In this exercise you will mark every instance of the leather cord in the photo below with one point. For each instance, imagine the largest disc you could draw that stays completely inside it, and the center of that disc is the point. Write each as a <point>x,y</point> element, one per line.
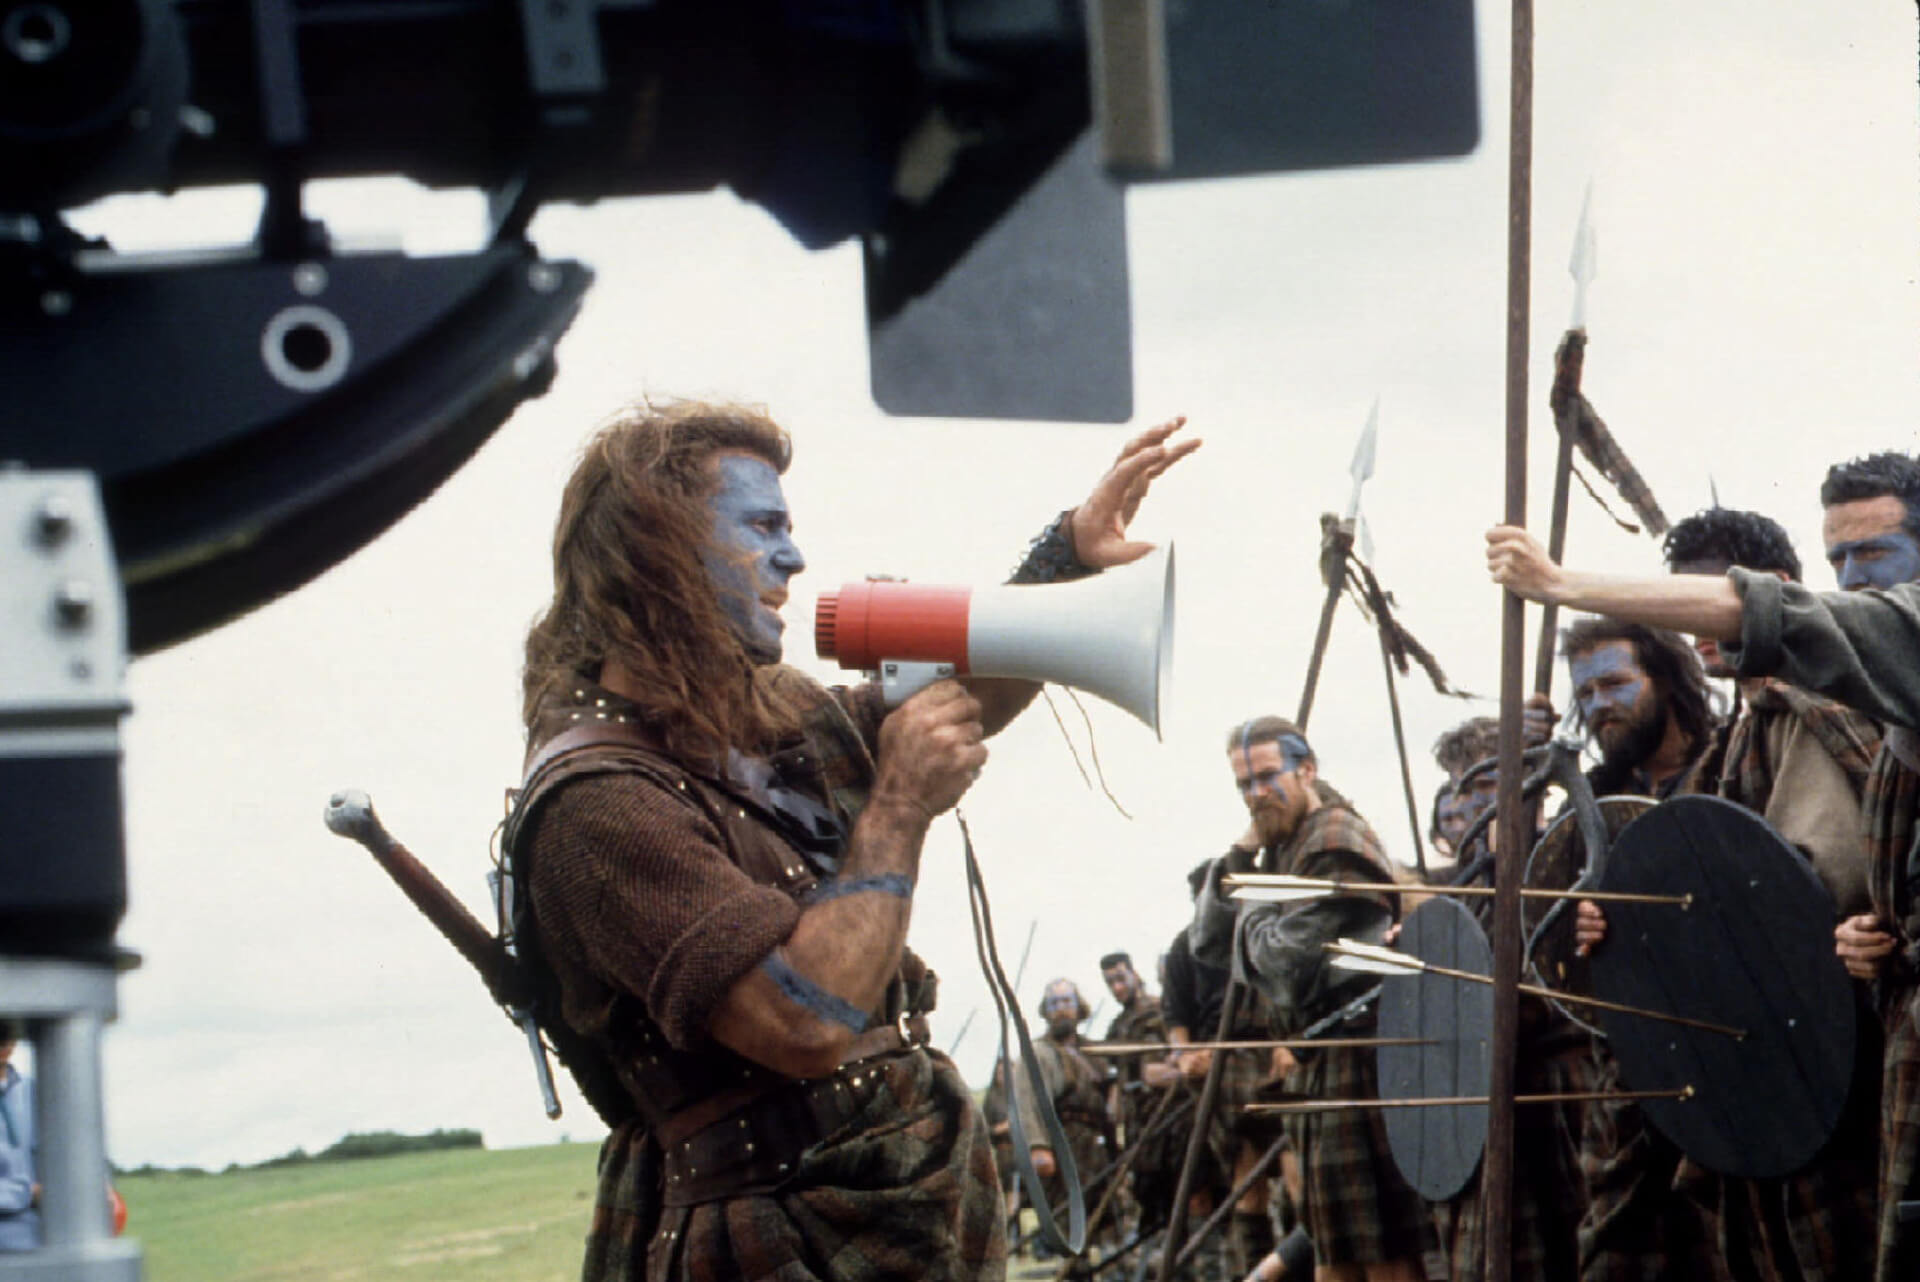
<point>1007,1003</point>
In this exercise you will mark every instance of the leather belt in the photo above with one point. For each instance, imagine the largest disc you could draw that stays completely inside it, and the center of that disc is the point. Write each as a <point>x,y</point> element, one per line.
<point>748,1138</point>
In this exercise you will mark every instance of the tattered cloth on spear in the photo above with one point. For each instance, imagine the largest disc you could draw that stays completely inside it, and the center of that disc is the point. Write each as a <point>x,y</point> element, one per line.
<point>1337,557</point>
<point>1573,412</point>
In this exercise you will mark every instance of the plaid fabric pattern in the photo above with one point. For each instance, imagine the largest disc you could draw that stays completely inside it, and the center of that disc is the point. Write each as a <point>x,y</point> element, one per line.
<point>1850,738</point>
<point>1081,1104</point>
<point>1898,1257</point>
<point>1891,800</point>
<point>1636,1228</point>
<point>1332,829</point>
<point>906,1191</point>
<point>1817,1225</point>
<point>1548,1189</point>
<point>1356,1207</point>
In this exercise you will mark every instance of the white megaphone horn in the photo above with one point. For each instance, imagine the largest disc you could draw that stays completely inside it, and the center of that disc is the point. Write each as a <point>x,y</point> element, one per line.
<point>1110,635</point>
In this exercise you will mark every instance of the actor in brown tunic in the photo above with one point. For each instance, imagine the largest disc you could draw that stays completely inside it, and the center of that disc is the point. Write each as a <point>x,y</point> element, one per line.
<point>1079,1094</point>
<point>720,858</point>
<point>1363,1218</point>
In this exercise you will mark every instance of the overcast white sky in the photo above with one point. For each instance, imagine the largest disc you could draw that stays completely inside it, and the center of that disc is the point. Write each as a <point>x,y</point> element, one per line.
<point>1754,320</point>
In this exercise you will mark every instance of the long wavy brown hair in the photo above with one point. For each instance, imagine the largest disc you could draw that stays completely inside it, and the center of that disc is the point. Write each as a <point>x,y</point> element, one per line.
<point>629,583</point>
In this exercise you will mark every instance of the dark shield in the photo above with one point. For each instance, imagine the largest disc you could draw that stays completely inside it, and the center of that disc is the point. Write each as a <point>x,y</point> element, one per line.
<point>1438,1149</point>
<point>1755,951</point>
<point>1557,861</point>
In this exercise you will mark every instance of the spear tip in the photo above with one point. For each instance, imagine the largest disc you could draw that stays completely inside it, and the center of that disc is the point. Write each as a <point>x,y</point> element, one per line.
<point>1584,264</point>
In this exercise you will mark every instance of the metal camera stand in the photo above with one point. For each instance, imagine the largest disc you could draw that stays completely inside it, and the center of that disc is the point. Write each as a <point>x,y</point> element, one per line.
<point>63,658</point>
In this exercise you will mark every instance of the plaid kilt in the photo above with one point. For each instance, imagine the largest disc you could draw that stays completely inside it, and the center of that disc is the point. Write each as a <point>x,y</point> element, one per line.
<point>1898,1258</point>
<point>1549,1194</point>
<point>1637,1226</point>
<point>906,1190</point>
<point>1889,807</point>
<point>1356,1207</point>
<point>1818,1224</point>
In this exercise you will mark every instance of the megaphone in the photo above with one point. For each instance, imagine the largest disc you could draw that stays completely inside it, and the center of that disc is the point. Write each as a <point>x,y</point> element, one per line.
<point>1110,635</point>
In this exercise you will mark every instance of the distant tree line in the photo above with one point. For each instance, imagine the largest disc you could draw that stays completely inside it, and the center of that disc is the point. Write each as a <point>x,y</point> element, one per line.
<point>356,1145</point>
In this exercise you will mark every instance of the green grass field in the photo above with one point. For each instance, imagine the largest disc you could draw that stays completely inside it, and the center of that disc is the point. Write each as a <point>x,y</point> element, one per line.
<point>464,1215</point>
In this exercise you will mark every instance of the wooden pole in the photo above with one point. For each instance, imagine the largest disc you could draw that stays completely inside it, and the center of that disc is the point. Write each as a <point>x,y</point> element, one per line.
<point>1566,387</point>
<point>1400,742</point>
<point>1496,1188</point>
<point>1333,563</point>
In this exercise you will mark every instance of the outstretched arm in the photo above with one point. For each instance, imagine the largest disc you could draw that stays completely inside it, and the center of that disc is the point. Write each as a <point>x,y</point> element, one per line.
<point>1703,604</point>
<point>1097,532</point>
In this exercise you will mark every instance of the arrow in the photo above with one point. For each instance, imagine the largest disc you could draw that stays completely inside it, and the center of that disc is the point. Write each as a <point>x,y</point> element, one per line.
<point>1298,1043</point>
<point>1449,1101</point>
<point>1350,954</point>
<point>1285,888</point>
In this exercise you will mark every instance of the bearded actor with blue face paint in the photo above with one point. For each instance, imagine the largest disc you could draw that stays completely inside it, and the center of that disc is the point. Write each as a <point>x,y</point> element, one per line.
<point>1643,697</point>
<point>717,859</point>
<point>1363,1219</point>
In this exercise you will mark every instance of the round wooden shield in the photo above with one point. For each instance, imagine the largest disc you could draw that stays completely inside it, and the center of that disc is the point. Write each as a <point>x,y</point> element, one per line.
<point>1557,861</point>
<point>1438,1149</point>
<point>1755,952</point>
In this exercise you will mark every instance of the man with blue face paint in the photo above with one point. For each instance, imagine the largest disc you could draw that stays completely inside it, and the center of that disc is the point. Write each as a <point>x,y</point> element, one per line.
<point>751,556</point>
<point>1861,647</point>
<point>1800,761</point>
<point>1644,700</point>
<point>1363,1219</point>
<point>1871,524</point>
<point>716,859</point>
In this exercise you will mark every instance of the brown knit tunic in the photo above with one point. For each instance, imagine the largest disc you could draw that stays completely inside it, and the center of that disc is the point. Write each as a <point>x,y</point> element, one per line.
<point>654,889</point>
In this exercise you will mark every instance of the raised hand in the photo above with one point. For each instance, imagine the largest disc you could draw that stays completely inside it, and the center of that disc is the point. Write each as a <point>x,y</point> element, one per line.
<point>1100,524</point>
<point>1518,562</point>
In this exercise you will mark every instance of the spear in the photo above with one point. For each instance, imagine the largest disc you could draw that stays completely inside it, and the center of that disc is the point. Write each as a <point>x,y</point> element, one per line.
<point>1400,745</point>
<point>1333,558</point>
<point>1496,1167</point>
<point>1336,546</point>
<point>961,1036</point>
<point>1351,954</point>
<point>1565,400</point>
<point>1283,888</point>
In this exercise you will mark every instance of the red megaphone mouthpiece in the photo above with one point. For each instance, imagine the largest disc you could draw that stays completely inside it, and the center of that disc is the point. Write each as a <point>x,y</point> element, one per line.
<point>864,623</point>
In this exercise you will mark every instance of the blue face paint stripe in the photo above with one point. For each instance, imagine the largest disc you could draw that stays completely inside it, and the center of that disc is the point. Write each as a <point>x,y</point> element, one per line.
<point>1898,561</point>
<point>1590,667</point>
<point>809,996</point>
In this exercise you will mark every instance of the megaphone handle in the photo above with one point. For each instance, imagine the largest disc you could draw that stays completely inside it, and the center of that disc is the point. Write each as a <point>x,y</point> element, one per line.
<point>901,679</point>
